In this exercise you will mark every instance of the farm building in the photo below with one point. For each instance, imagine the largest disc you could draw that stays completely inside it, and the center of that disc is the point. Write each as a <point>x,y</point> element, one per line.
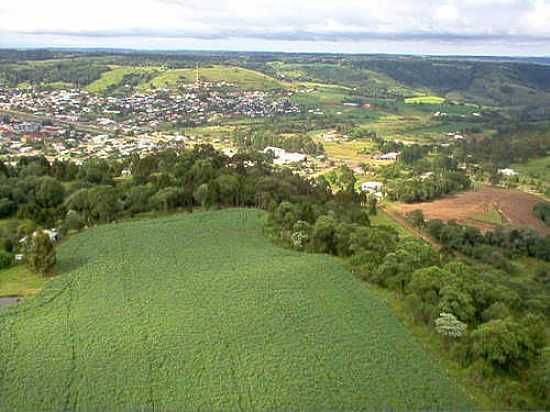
<point>373,188</point>
<point>507,172</point>
<point>389,156</point>
<point>283,157</point>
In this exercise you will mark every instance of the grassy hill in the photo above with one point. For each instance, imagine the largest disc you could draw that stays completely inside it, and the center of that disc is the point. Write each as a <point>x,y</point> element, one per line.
<point>112,79</point>
<point>157,77</point>
<point>201,311</point>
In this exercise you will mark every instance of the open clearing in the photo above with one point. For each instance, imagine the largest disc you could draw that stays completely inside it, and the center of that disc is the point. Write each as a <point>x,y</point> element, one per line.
<point>425,100</point>
<point>202,312</point>
<point>477,208</point>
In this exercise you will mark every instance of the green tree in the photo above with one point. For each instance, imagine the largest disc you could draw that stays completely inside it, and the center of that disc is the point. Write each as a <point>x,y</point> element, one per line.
<point>504,343</point>
<point>449,326</point>
<point>50,193</point>
<point>40,253</point>
<point>202,194</point>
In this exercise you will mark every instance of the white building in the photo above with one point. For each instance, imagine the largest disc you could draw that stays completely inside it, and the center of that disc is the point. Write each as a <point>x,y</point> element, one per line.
<point>389,156</point>
<point>371,186</point>
<point>282,157</point>
<point>507,172</point>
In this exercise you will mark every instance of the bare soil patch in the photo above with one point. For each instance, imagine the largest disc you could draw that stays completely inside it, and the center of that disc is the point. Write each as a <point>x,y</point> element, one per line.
<point>514,206</point>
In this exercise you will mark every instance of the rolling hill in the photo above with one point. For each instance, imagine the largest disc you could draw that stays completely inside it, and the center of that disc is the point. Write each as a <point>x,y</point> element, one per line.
<point>146,78</point>
<point>202,312</point>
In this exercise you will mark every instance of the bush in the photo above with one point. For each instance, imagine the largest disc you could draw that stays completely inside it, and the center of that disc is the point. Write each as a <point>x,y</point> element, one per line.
<point>6,259</point>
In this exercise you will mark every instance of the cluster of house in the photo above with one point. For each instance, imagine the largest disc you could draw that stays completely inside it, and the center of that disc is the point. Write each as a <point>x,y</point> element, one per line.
<point>142,112</point>
<point>79,124</point>
<point>23,138</point>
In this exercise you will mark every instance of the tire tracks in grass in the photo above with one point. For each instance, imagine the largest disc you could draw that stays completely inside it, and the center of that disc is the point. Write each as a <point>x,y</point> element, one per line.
<point>137,310</point>
<point>7,355</point>
<point>71,400</point>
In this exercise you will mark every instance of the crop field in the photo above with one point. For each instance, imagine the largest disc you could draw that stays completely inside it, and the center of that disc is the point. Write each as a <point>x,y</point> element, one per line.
<point>425,100</point>
<point>202,312</point>
<point>480,208</point>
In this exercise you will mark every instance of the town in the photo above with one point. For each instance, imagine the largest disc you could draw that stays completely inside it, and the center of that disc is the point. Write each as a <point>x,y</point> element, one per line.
<point>76,124</point>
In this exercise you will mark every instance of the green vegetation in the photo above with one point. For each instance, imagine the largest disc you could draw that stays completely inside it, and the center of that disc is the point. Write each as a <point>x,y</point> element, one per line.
<point>245,79</point>
<point>19,281</point>
<point>535,168</point>
<point>212,319</point>
<point>381,218</point>
<point>425,100</point>
<point>491,216</point>
<point>114,78</point>
<point>542,211</point>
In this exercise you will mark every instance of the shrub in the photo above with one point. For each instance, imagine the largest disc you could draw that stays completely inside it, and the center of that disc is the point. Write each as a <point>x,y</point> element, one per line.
<point>6,259</point>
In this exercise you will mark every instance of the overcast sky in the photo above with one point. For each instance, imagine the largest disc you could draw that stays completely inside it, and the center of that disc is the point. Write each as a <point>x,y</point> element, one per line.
<point>474,27</point>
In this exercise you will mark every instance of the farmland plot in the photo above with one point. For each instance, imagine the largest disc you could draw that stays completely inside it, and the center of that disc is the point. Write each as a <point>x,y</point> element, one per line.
<point>202,312</point>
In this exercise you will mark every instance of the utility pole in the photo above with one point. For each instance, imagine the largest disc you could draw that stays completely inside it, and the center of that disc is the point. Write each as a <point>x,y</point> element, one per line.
<point>197,81</point>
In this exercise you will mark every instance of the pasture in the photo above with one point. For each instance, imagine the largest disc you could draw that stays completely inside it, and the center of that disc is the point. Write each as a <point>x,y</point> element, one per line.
<point>203,312</point>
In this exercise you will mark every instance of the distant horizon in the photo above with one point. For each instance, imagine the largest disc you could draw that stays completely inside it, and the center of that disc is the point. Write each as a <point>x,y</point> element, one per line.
<point>259,51</point>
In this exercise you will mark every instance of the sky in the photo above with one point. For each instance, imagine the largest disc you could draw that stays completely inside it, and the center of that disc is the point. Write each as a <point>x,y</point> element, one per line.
<point>466,27</point>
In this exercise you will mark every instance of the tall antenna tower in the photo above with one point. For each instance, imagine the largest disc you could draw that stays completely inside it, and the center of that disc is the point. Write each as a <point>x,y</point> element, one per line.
<point>197,80</point>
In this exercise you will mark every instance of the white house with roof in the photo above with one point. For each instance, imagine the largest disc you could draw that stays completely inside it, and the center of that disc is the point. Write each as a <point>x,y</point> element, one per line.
<point>507,172</point>
<point>373,188</point>
<point>282,157</point>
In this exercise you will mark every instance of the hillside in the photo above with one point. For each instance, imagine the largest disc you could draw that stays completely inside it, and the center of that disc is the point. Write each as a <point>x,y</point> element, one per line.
<point>146,78</point>
<point>202,311</point>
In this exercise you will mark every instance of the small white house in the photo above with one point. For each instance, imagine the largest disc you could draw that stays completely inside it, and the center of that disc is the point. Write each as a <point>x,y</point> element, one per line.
<point>389,156</point>
<point>282,157</point>
<point>52,234</point>
<point>371,186</point>
<point>507,172</point>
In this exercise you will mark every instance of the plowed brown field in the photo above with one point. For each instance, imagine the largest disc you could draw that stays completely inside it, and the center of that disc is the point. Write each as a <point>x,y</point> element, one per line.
<point>514,206</point>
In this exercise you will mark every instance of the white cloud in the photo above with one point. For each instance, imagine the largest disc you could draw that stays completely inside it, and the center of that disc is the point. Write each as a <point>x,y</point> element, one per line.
<point>521,24</point>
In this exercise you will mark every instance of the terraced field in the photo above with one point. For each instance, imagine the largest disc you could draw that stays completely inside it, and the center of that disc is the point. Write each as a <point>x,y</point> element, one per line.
<point>202,312</point>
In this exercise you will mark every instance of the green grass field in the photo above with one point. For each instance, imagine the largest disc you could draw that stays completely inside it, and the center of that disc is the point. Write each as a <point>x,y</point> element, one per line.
<point>19,281</point>
<point>425,100</point>
<point>535,168</point>
<point>491,216</point>
<point>202,312</point>
<point>169,78</point>
<point>115,76</point>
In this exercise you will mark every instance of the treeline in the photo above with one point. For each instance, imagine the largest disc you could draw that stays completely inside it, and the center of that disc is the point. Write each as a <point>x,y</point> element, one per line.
<point>260,138</point>
<point>511,145</point>
<point>542,211</point>
<point>79,73</point>
<point>69,197</point>
<point>427,187</point>
<point>493,247</point>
